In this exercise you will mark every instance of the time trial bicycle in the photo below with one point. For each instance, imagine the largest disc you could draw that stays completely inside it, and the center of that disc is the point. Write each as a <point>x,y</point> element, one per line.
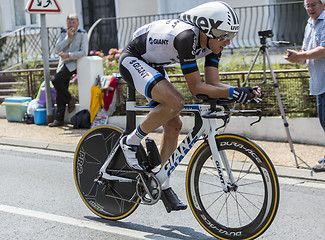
<point>231,184</point>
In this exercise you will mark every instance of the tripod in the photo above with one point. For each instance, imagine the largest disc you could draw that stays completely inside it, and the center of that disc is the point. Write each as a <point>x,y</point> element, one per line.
<point>264,51</point>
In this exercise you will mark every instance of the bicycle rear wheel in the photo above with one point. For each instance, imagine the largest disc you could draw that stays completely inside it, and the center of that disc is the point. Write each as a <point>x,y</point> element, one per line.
<point>248,207</point>
<point>112,200</point>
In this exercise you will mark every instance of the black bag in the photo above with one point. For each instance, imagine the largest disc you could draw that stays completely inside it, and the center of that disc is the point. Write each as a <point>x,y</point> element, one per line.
<point>28,118</point>
<point>81,119</point>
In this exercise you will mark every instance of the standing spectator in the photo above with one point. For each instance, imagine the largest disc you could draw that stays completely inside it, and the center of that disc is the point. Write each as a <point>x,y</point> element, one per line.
<point>313,53</point>
<point>71,45</point>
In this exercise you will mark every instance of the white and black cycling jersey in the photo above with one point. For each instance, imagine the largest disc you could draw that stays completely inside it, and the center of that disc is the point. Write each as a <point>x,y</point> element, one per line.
<point>165,42</point>
<point>158,44</point>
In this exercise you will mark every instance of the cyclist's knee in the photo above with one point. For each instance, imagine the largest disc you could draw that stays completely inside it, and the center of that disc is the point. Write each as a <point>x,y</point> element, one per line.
<point>177,105</point>
<point>173,126</point>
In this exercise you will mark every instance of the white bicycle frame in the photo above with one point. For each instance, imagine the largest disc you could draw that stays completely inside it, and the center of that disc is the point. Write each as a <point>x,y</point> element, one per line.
<point>208,129</point>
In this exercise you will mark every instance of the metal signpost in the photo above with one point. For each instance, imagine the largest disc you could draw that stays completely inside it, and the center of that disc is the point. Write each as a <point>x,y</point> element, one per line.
<point>43,7</point>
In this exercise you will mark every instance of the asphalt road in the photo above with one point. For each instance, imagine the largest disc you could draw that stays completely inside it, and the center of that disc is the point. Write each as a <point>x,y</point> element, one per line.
<point>39,201</point>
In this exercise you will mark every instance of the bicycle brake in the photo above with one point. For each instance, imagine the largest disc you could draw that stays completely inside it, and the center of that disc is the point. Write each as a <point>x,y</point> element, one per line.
<point>259,114</point>
<point>225,119</point>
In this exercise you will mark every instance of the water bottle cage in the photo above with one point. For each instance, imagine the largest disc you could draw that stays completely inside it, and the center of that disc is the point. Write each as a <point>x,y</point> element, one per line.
<point>153,157</point>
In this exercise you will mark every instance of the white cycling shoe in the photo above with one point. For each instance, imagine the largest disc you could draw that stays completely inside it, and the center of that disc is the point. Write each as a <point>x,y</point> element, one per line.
<point>130,153</point>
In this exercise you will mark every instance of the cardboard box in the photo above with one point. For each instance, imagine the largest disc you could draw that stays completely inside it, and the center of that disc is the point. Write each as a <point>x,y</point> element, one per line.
<point>16,107</point>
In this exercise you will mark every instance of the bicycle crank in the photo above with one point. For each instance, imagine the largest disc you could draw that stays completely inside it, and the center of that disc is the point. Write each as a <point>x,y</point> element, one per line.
<point>148,188</point>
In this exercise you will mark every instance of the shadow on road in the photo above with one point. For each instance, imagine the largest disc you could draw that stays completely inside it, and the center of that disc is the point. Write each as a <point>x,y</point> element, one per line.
<point>177,232</point>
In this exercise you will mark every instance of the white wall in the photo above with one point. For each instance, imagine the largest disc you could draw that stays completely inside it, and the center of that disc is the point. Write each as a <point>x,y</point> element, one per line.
<point>302,130</point>
<point>172,6</point>
<point>124,8</point>
<point>1,19</point>
<point>7,15</point>
<point>67,7</point>
<point>128,8</point>
<point>59,19</point>
<point>88,69</point>
<point>241,3</point>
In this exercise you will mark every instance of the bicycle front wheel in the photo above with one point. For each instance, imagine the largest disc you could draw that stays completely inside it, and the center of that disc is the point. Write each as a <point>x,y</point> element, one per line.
<point>248,206</point>
<point>111,200</point>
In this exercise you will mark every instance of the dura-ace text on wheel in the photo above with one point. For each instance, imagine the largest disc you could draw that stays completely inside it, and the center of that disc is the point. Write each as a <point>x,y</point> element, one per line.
<point>247,207</point>
<point>112,200</point>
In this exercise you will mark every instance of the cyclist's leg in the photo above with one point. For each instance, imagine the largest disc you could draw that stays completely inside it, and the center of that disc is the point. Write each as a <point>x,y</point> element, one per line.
<point>169,138</point>
<point>171,130</point>
<point>153,84</point>
<point>171,103</point>
<point>168,145</point>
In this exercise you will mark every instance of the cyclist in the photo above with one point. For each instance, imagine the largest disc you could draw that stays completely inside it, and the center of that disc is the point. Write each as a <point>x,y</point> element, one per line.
<point>203,31</point>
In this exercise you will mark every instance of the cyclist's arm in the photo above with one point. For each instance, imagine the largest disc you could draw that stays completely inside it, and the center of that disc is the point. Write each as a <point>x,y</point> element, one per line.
<point>211,70</point>
<point>185,44</point>
<point>213,88</point>
<point>211,75</point>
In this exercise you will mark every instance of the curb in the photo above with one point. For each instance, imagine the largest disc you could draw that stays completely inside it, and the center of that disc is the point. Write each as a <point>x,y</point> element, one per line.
<point>69,148</point>
<point>300,174</point>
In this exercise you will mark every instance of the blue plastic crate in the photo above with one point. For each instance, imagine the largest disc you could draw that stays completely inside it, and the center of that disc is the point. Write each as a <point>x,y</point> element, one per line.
<point>40,115</point>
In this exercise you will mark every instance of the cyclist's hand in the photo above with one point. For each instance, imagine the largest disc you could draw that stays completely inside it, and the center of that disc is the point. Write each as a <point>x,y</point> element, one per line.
<point>259,95</point>
<point>243,94</point>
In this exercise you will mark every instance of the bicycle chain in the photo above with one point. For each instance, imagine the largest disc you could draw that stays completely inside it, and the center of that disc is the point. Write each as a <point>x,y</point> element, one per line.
<point>119,198</point>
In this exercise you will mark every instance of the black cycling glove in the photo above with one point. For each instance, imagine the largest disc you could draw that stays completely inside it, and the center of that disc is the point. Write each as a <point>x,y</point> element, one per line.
<point>243,94</point>
<point>258,99</point>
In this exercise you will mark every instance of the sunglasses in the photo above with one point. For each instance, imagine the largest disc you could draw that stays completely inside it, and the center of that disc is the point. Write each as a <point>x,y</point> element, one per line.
<point>222,36</point>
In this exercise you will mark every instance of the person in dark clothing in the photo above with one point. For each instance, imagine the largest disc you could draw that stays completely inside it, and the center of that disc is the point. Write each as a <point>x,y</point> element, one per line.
<point>71,45</point>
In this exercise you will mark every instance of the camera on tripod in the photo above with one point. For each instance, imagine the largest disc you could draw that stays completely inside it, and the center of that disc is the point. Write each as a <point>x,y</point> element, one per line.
<point>265,34</point>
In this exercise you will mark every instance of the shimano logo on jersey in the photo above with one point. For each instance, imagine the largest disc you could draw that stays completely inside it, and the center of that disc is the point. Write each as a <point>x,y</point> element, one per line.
<point>137,66</point>
<point>194,45</point>
<point>158,41</point>
<point>203,23</point>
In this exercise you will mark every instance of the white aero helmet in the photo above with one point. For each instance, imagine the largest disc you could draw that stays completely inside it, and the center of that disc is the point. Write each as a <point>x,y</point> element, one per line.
<point>215,19</point>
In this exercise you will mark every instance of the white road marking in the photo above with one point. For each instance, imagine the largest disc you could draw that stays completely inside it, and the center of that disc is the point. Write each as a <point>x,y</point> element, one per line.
<point>80,223</point>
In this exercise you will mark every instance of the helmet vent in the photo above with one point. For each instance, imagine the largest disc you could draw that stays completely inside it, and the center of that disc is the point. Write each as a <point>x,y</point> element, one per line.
<point>229,19</point>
